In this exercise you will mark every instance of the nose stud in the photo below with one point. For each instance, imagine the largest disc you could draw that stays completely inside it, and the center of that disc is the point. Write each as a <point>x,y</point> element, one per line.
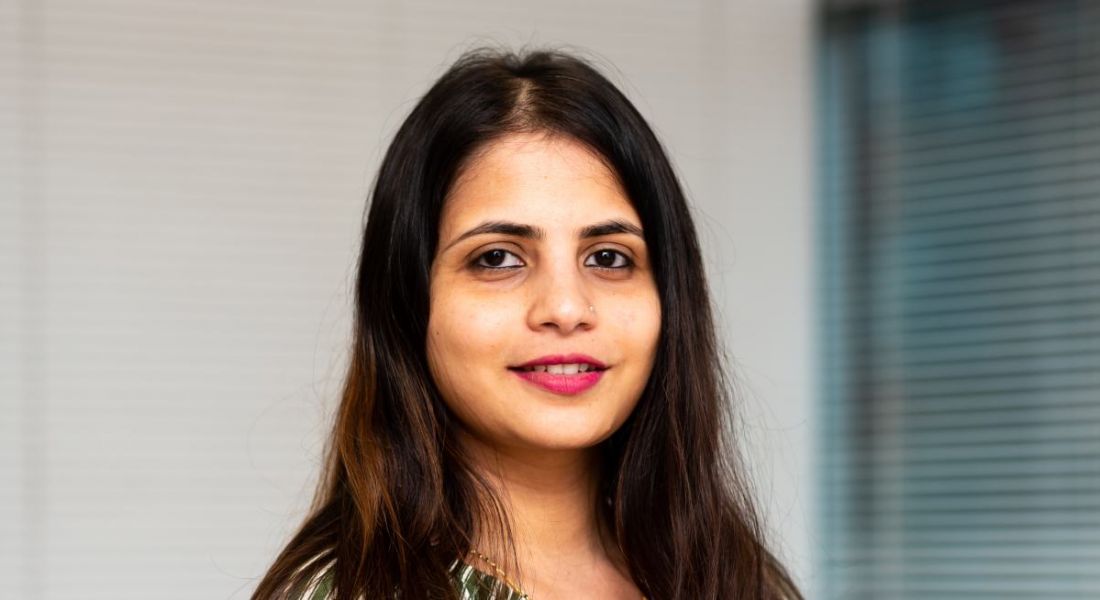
<point>591,308</point>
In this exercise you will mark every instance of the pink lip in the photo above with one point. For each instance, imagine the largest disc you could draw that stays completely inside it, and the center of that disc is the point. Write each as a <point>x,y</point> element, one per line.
<point>567,385</point>
<point>562,384</point>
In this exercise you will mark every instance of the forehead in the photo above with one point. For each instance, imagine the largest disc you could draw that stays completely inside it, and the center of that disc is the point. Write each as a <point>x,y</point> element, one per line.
<point>537,179</point>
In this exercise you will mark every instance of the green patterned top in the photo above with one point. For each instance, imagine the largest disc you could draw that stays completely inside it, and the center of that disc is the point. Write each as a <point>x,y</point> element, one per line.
<point>470,583</point>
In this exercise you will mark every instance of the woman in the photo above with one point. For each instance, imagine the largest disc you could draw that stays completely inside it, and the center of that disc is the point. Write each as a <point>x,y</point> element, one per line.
<point>535,403</point>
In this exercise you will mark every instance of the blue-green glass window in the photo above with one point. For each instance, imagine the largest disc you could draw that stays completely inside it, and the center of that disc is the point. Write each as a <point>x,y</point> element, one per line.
<point>960,299</point>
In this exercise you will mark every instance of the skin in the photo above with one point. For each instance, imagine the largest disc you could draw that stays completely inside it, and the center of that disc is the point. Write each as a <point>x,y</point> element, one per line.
<point>535,446</point>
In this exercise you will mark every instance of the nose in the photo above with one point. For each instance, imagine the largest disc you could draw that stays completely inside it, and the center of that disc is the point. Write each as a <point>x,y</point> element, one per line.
<point>561,301</point>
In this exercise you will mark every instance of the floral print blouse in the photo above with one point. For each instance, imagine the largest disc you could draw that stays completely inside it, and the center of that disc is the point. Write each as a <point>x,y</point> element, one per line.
<point>470,583</point>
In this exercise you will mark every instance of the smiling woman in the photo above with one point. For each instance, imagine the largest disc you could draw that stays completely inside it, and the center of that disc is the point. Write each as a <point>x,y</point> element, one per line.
<point>535,406</point>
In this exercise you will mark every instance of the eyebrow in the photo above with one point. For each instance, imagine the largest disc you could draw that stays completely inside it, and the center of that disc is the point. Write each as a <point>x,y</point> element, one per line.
<point>531,232</point>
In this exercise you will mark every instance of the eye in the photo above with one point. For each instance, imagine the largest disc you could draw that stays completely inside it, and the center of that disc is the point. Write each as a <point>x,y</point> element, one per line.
<point>497,259</point>
<point>608,259</point>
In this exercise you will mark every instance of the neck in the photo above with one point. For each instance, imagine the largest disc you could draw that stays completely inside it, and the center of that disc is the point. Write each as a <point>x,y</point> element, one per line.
<point>550,499</point>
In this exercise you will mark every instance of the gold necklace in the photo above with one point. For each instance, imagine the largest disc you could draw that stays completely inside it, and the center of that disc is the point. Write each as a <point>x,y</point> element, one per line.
<point>499,571</point>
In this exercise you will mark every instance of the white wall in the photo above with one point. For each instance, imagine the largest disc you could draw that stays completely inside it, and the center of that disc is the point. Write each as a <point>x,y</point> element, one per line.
<point>181,184</point>
<point>752,185</point>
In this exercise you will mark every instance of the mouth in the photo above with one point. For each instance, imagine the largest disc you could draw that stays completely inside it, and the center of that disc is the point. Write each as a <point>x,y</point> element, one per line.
<point>559,369</point>
<point>563,375</point>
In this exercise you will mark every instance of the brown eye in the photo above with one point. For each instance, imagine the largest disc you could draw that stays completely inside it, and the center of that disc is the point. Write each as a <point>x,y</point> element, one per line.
<point>498,259</point>
<point>608,259</point>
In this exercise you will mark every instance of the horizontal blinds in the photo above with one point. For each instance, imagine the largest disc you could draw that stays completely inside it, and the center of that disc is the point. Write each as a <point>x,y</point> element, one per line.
<point>961,290</point>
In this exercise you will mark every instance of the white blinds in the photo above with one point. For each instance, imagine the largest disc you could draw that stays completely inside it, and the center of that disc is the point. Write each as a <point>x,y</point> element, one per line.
<point>961,262</point>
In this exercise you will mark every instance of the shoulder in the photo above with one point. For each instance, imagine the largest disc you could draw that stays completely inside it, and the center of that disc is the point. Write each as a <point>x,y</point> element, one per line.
<point>319,587</point>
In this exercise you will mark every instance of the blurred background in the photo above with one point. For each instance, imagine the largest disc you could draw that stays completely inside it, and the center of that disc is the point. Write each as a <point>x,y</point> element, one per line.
<point>959,262</point>
<point>898,202</point>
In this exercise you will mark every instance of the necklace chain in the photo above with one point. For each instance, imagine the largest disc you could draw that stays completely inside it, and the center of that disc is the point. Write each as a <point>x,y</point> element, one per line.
<point>499,571</point>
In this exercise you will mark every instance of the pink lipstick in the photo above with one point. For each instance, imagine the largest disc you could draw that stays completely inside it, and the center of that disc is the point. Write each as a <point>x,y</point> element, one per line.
<point>565,374</point>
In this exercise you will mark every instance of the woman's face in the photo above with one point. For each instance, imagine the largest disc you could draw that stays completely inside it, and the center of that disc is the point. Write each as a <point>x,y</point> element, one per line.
<point>544,311</point>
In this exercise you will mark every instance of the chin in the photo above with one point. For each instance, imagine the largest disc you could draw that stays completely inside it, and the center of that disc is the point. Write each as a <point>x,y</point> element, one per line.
<point>563,444</point>
<point>558,435</point>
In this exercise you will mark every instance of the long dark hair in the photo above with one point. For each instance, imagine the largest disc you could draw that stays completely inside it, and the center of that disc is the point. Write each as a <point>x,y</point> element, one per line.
<point>398,499</point>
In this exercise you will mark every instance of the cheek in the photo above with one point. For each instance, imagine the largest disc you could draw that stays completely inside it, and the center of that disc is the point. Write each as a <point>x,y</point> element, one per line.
<point>467,343</point>
<point>465,333</point>
<point>640,323</point>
